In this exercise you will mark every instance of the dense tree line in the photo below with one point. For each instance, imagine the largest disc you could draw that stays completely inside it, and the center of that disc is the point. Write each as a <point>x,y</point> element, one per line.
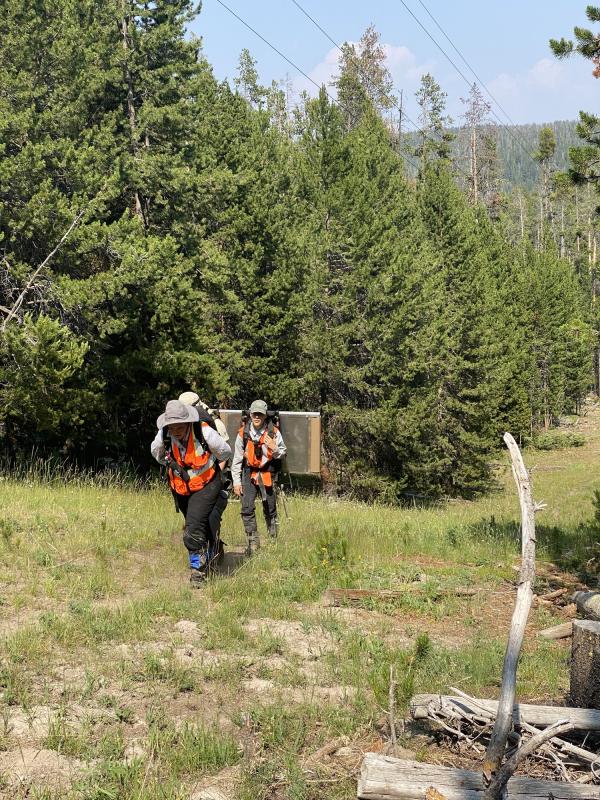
<point>232,245</point>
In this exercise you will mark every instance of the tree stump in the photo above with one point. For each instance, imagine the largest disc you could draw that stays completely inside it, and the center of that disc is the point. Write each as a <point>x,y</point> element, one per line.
<point>585,664</point>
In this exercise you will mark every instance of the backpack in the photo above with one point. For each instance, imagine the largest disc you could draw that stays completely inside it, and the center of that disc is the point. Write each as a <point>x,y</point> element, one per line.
<point>272,423</point>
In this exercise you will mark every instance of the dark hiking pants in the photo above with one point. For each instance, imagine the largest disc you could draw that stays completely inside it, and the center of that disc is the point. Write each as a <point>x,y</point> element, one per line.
<point>250,493</point>
<point>197,509</point>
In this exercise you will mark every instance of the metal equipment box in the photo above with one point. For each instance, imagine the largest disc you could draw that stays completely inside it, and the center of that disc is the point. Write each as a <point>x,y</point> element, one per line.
<point>301,431</point>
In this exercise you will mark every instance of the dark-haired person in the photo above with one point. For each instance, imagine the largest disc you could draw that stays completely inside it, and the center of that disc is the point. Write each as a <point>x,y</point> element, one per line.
<point>192,450</point>
<point>258,447</point>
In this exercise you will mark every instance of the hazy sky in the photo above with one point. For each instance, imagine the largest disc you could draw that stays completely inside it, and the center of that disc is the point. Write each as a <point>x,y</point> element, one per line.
<point>505,41</point>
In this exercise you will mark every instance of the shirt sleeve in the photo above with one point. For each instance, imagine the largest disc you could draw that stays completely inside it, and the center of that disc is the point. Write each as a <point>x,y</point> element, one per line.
<point>281,448</point>
<point>157,448</point>
<point>236,464</point>
<point>216,444</point>
<point>222,430</point>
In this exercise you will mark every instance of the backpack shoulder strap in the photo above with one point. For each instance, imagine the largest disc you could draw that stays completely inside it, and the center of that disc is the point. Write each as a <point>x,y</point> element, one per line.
<point>197,426</point>
<point>246,435</point>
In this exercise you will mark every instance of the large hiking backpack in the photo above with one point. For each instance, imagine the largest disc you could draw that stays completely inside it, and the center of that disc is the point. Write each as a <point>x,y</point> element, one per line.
<point>275,464</point>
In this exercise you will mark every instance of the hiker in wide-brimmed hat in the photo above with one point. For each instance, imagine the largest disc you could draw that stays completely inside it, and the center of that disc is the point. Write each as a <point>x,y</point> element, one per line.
<point>191,450</point>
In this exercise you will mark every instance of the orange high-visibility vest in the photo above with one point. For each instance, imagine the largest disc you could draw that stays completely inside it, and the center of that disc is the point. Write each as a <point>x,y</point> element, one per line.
<point>199,463</point>
<point>258,457</point>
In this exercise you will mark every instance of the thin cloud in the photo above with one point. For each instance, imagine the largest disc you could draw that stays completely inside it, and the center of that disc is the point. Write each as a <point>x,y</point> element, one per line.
<point>400,60</point>
<point>548,90</point>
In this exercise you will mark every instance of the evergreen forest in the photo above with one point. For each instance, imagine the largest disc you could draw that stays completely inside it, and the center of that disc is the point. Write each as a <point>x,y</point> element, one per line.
<point>161,230</point>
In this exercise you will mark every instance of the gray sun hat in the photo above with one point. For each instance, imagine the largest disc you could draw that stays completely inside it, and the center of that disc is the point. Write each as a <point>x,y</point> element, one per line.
<point>259,406</point>
<point>177,412</point>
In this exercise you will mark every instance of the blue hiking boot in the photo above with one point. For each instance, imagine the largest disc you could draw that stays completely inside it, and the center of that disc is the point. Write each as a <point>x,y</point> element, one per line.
<point>198,569</point>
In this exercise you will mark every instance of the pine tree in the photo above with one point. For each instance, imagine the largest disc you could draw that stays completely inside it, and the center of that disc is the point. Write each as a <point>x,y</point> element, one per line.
<point>584,159</point>
<point>544,156</point>
<point>364,81</point>
<point>476,117</point>
<point>434,138</point>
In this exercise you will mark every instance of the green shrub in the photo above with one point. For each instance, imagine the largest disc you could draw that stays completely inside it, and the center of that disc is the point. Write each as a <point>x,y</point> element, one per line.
<point>558,440</point>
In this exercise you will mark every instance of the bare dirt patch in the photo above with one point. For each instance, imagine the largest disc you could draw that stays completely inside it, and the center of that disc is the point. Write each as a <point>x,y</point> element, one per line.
<point>29,766</point>
<point>309,645</point>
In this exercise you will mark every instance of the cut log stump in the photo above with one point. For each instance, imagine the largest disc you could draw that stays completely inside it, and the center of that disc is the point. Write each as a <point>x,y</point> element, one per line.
<point>386,778</point>
<point>585,664</point>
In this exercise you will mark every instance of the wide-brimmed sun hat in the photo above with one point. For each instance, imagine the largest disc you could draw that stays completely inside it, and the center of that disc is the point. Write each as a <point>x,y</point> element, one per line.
<point>177,412</point>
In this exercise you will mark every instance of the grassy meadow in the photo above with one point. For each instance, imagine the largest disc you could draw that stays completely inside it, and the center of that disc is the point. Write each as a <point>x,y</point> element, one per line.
<point>117,681</point>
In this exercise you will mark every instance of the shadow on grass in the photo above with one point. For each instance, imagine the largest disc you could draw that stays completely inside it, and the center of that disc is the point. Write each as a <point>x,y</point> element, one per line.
<point>232,560</point>
<point>574,548</point>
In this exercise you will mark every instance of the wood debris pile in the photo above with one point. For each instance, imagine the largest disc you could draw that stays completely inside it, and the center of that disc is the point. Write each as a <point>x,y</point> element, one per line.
<point>467,724</point>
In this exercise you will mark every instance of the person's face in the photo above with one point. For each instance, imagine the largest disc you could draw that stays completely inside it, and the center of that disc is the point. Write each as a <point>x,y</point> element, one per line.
<point>179,430</point>
<point>257,419</point>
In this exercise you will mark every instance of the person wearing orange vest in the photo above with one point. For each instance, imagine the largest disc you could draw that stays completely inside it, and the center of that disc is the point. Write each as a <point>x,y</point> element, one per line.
<point>258,447</point>
<point>191,451</point>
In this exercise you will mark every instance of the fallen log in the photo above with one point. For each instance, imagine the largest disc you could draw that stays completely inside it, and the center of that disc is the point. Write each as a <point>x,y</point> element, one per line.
<point>588,604</point>
<point>555,594</point>
<point>562,631</point>
<point>340,597</point>
<point>585,719</point>
<point>386,778</point>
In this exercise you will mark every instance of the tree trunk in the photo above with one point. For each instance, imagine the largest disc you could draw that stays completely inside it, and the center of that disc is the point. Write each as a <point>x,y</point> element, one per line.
<point>474,181</point>
<point>137,204</point>
<point>585,664</point>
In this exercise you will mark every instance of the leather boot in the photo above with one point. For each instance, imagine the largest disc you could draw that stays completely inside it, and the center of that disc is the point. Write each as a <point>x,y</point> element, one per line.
<point>253,543</point>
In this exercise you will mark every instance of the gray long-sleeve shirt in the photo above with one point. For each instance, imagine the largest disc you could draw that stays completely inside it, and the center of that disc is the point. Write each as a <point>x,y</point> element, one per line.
<point>238,452</point>
<point>215,443</point>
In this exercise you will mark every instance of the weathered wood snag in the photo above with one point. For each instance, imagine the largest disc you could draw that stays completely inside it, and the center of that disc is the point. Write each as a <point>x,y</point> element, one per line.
<point>497,746</point>
<point>585,664</point>
<point>385,778</point>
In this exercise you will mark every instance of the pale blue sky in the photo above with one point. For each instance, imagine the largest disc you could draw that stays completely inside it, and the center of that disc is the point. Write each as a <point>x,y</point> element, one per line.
<point>506,42</point>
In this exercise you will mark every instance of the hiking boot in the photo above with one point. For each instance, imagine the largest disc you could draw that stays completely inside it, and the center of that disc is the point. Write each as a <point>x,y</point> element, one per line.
<point>273,528</point>
<point>253,543</point>
<point>198,569</point>
<point>197,578</point>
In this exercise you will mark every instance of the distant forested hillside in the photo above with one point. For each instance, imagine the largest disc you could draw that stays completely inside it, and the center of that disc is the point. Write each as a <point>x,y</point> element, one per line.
<point>517,144</point>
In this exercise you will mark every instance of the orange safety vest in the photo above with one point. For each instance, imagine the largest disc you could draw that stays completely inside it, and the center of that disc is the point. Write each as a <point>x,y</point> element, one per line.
<point>258,457</point>
<point>199,463</point>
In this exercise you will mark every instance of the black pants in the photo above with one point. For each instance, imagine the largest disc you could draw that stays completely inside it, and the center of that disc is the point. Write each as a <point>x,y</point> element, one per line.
<point>250,492</point>
<point>197,509</point>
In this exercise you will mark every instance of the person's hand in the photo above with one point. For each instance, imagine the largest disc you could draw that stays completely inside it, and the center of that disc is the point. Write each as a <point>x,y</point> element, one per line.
<point>238,491</point>
<point>270,442</point>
